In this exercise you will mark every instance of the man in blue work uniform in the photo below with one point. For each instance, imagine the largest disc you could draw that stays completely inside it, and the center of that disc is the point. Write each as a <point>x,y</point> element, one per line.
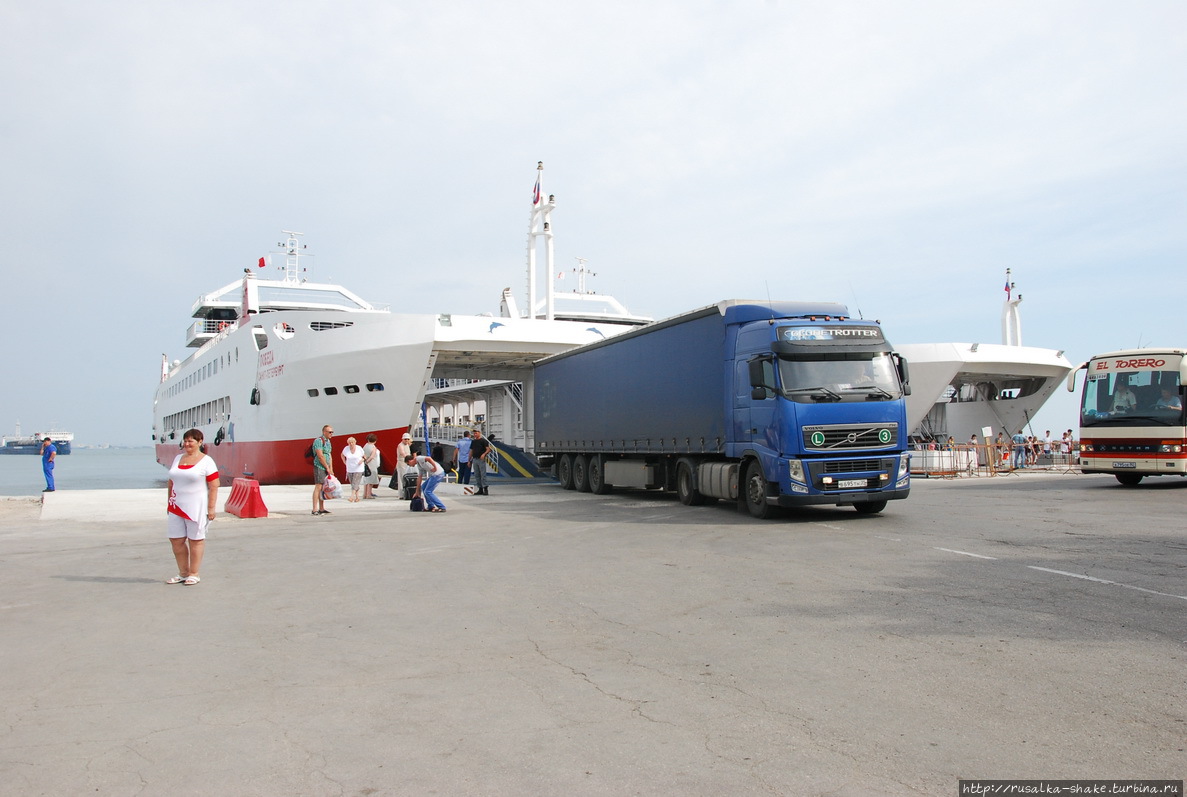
<point>49,452</point>
<point>1019,450</point>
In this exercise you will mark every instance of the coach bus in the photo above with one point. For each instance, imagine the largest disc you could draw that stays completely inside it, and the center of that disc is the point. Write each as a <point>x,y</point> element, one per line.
<point>1131,414</point>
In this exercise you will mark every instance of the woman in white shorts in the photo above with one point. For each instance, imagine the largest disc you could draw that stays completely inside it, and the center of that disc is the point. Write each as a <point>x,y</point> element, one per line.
<point>193,492</point>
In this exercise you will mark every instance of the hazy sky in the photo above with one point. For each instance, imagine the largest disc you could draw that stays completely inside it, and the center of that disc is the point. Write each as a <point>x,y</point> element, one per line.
<point>895,156</point>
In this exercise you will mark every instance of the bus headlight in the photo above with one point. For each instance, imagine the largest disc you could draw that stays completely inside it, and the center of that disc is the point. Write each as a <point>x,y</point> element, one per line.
<point>1171,448</point>
<point>795,470</point>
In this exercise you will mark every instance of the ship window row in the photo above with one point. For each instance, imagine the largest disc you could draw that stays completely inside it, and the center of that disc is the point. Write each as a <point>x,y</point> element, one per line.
<point>202,374</point>
<point>372,387</point>
<point>210,412</point>
<point>286,331</point>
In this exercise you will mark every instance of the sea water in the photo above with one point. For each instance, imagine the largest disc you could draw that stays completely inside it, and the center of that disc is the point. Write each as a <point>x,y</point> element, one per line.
<point>84,469</point>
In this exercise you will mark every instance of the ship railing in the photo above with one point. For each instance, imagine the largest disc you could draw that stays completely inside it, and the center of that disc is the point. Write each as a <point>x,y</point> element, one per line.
<point>448,435</point>
<point>205,329</point>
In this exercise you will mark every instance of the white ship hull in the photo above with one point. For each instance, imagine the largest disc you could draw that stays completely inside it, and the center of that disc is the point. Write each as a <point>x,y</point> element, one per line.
<point>364,378</point>
<point>959,389</point>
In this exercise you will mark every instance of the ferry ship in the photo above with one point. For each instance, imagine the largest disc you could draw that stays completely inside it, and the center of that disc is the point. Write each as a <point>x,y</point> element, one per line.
<point>961,389</point>
<point>17,443</point>
<point>277,359</point>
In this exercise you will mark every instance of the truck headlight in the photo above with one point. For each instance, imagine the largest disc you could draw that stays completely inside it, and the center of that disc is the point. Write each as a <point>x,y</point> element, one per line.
<point>795,470</point>
<point>904,466</point>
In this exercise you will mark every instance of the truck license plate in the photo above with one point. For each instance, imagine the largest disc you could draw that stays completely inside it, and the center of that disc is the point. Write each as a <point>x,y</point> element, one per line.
<point>850,484</point>
<point>1125,464</point>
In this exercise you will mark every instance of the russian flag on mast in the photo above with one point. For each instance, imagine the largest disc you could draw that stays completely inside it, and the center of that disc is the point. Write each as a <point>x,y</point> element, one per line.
<point>1008,286</point>
<point>536,193</point>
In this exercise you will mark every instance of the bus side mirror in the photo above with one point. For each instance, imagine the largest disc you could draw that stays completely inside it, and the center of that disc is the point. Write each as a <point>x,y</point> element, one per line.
<point>1071,378</point>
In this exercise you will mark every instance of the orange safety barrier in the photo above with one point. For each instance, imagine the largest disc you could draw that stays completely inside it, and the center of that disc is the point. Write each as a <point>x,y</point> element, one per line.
<point>245,500</point>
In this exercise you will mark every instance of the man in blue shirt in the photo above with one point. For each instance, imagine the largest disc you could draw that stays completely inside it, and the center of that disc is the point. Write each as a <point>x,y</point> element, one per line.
<point>49,452</point>
<point>461,457</point>
<point>1019,450</point>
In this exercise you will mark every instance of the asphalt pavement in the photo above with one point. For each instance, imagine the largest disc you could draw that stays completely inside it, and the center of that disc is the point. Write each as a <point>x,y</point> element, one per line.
<point>544,642</point>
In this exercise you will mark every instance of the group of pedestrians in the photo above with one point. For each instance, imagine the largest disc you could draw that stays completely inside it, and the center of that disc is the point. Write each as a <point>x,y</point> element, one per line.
<point>194,479</point>
<point>1028,448</point>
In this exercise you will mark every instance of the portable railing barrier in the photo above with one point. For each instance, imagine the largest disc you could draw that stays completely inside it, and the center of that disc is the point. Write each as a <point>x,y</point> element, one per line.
<point>951,462</point>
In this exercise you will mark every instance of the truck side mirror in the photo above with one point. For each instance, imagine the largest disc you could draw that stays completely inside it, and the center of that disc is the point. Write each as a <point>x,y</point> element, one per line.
<point>758,380</point>
<point>904,374</point>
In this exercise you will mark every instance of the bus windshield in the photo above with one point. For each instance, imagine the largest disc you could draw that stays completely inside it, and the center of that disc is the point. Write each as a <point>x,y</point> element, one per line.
<point>867,376</point>
<point>1132,398</point>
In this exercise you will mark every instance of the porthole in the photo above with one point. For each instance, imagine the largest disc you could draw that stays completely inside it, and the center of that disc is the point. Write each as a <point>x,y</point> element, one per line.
<point>313,392</point>
<point>331,391</point>
<point>352,389</point>
<point>374,387</point>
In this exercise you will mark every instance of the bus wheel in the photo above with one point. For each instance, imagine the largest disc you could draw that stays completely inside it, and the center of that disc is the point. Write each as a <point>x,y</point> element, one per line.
<point>564,471</point>
<point>1129,479</point>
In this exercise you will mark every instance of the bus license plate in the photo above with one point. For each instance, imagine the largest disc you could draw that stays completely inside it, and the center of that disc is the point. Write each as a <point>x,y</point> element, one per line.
<point>1125,464</point>
<point>850,484</point>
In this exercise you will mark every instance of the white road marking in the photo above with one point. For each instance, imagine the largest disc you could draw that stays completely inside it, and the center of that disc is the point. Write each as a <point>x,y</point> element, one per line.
<point>1106,581</point>
<point>966,553</point>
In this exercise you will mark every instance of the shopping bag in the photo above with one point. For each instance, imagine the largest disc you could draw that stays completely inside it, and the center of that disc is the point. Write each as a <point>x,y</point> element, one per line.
<point>331,489</point>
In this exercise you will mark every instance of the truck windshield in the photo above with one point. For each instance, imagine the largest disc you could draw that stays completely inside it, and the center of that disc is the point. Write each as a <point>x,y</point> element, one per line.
<point>844,377</point>
<point>1133,398</point>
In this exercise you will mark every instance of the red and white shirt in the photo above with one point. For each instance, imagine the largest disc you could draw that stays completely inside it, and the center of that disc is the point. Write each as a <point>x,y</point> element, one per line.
<point>190,495</point>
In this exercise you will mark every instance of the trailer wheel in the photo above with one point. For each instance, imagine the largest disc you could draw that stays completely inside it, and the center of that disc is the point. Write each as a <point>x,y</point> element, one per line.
<point>870,507</point>
<point>580,473</point>
<point>1129,479</point>
<point>595,475</point>
<point>685,491</point>
<point>564,471</point>
<point>756,492</point>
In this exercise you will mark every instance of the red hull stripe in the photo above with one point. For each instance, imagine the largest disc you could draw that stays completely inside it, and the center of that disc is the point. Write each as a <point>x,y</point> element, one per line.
<point>283,461</point>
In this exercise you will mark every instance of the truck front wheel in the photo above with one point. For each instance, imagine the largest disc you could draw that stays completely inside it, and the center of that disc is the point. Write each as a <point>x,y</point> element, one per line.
<point>756,492</point>
<point>580,473</point>
<point>685,491</point>
<point>564,471</point>
<point>870,507</point>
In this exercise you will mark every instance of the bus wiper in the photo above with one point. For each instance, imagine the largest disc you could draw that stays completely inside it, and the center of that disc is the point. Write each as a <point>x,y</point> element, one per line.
<point>875,391</point>
<point>822,389</point>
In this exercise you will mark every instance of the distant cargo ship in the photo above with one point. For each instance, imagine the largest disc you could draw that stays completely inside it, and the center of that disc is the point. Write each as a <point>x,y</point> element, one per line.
<point>17,443</point>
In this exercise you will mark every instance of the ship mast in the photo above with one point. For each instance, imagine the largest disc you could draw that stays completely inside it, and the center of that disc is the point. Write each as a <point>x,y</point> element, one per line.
<point>1011,320</point>
<point>292,256</point>
<point>540,226</point>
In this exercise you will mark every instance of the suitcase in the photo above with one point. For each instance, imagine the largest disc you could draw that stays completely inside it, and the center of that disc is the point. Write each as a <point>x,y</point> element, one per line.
<point>409,485</point>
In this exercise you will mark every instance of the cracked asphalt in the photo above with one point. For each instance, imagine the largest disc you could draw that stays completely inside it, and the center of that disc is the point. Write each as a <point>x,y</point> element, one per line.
<point>543,642</point>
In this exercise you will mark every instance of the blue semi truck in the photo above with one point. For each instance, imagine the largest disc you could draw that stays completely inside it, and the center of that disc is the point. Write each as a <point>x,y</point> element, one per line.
<point>769,404</point>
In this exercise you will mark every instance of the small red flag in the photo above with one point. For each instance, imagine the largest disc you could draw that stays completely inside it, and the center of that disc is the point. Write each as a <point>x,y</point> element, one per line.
<point>261,262</point>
